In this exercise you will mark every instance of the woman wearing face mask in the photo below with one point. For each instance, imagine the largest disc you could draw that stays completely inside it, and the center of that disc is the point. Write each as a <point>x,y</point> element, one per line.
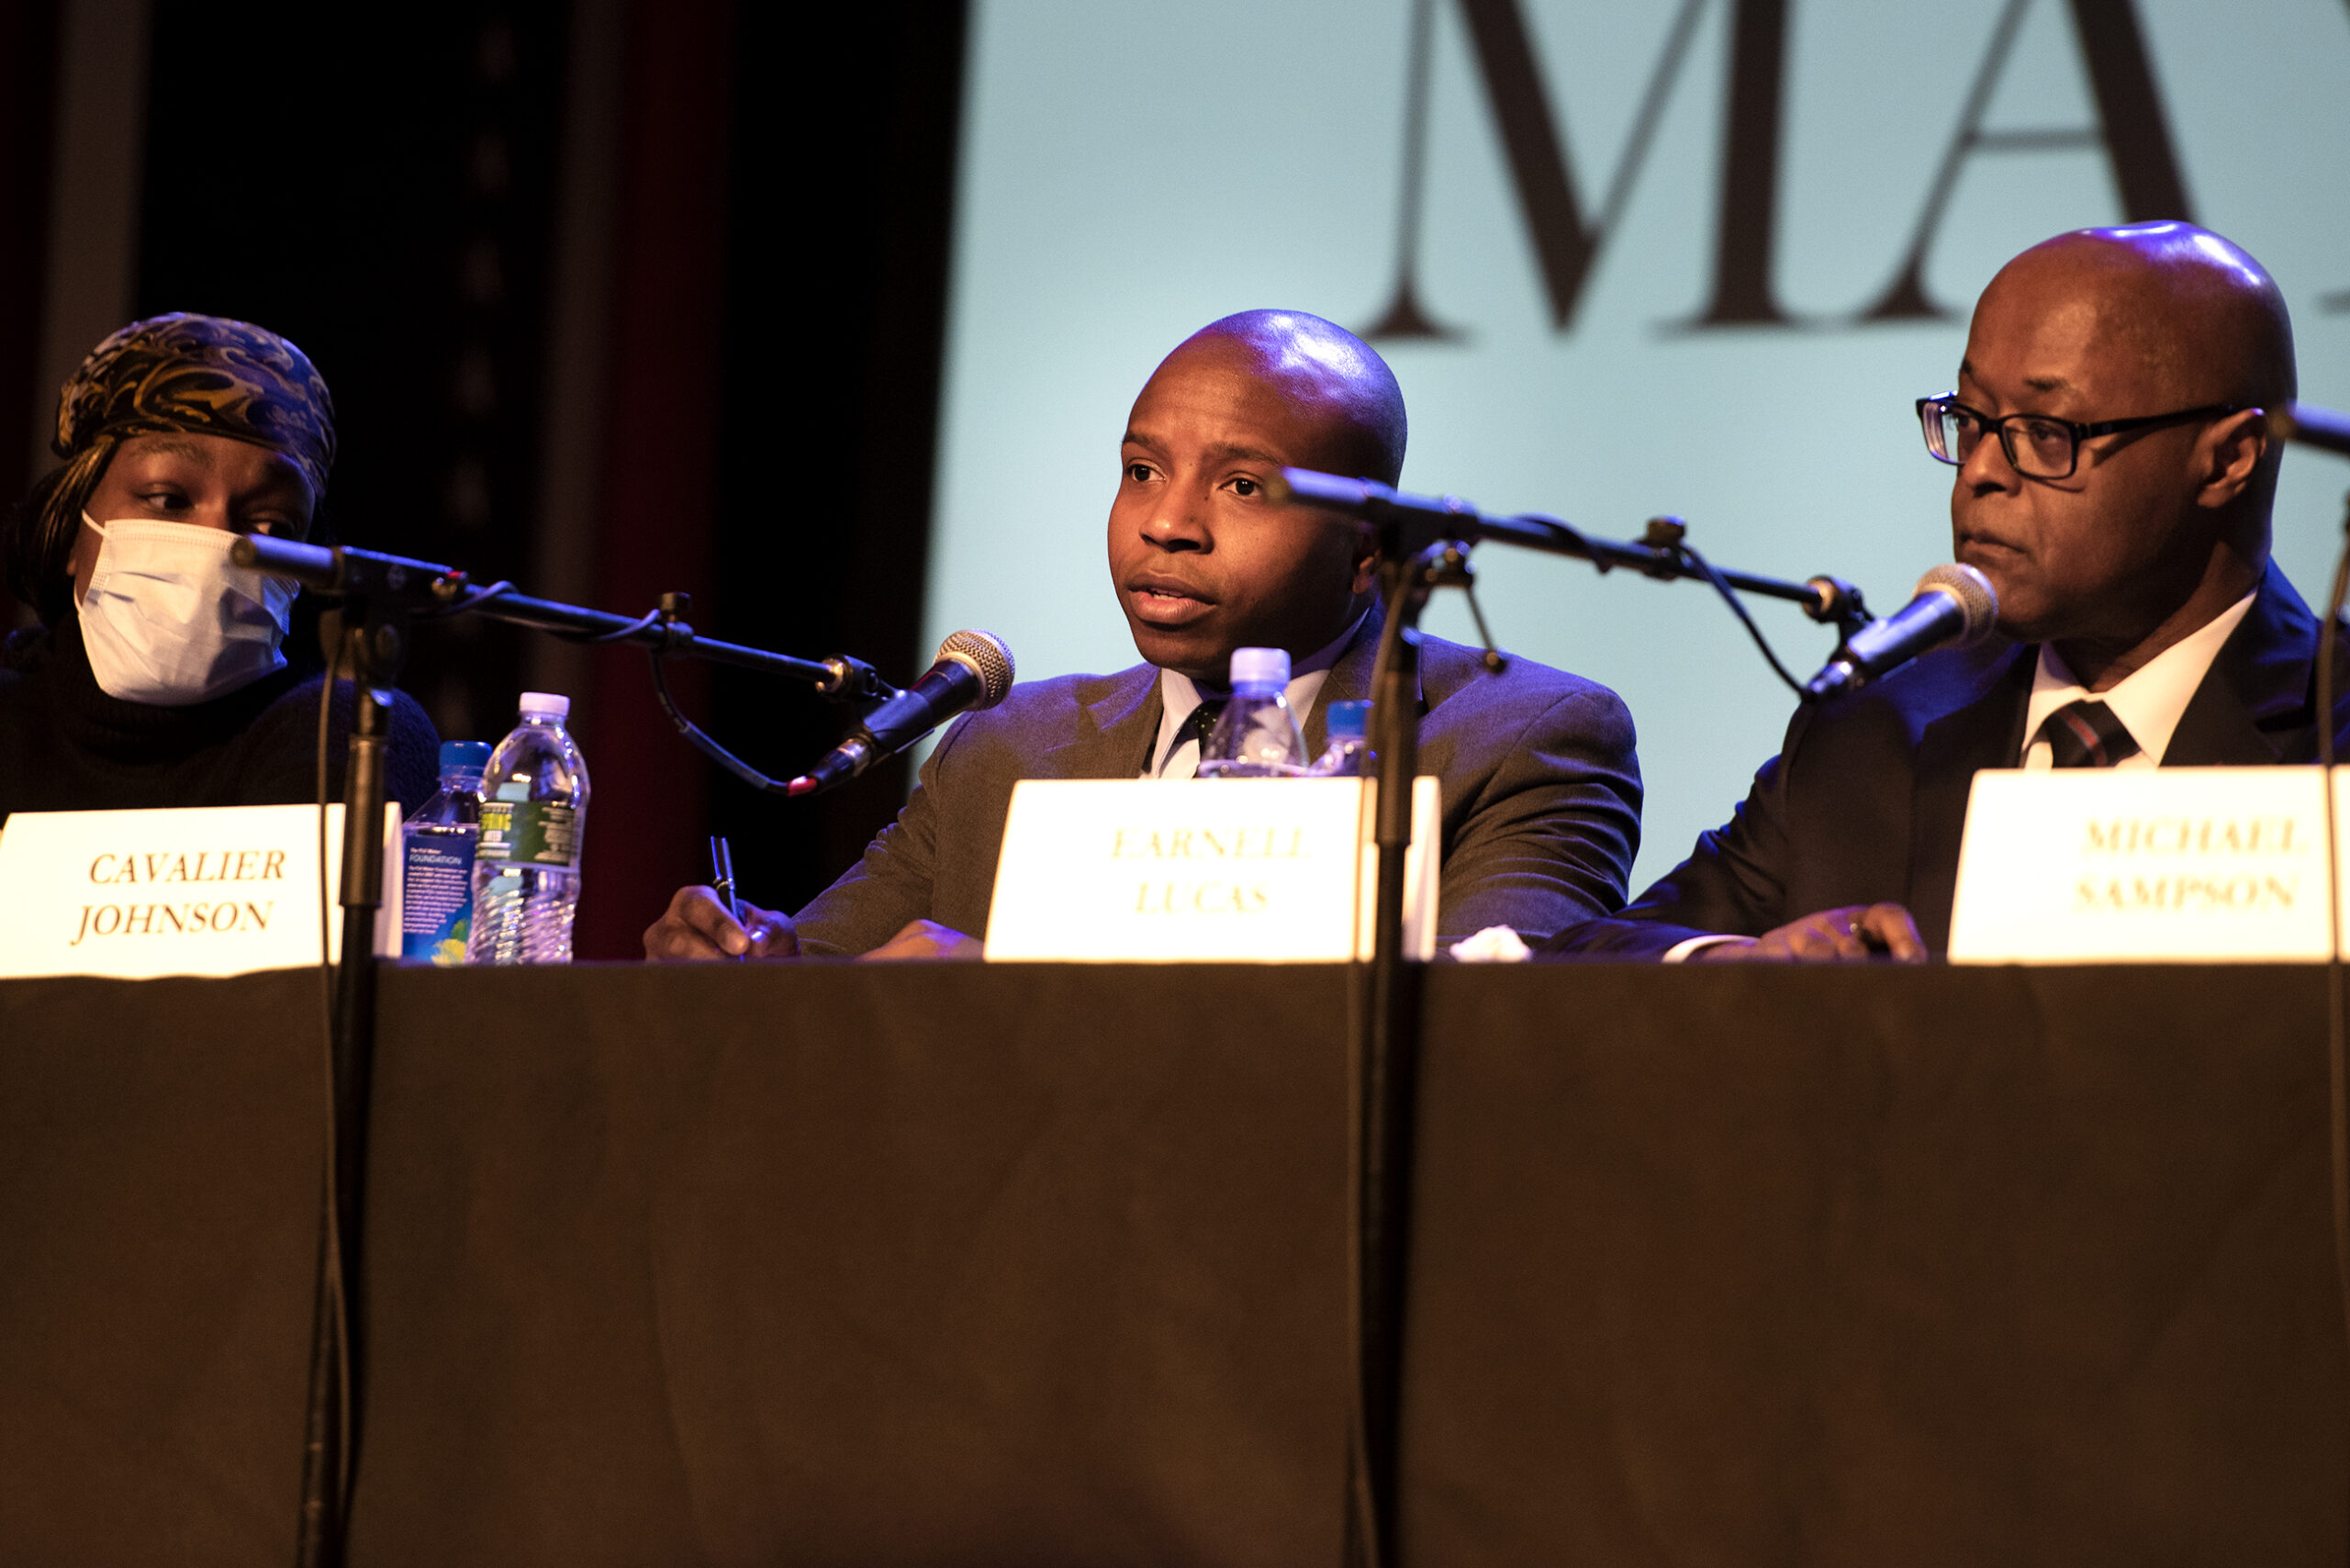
<point>157,676</point>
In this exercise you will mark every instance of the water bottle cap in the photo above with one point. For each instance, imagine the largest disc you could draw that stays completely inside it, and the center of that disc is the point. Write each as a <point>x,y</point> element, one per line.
<point>1260,666</point>
<point>545,705</point>
<point>1349,719</point>
<point>469,757</point>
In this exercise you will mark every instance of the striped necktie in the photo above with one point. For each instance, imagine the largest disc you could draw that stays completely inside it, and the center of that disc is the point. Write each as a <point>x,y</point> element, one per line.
<point>2087,735</point>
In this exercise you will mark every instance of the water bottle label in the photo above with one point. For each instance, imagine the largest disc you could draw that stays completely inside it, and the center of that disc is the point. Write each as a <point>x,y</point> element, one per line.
<point>536,832</point>
<point>437,897</point>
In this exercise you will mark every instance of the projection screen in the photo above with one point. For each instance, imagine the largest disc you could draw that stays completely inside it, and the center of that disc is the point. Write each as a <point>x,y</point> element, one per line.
<point>1693,257</point>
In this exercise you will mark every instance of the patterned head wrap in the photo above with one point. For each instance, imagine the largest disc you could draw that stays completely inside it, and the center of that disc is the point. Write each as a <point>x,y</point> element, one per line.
<point>204,375</point>
<point>176,374</point>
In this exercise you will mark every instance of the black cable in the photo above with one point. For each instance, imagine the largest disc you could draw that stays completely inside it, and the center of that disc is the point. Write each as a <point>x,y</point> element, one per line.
<point>1738,608</point>
<point>1600,557</point>
<point>2337,1074</point>
<point>702,742</point>
<point>1366,1538</point>
<point>1363,1514</point>
<point>473,600</point>
<point>325,965</point>
<point>336,1314</point>
<point>649,618</point>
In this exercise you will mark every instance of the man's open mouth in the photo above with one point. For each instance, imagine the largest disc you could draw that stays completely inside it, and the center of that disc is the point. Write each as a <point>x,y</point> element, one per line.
<point>1167,601</point>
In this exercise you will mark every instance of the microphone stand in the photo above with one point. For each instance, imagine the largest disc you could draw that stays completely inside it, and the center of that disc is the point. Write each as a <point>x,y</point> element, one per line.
<point>369,645</point>
<point>1383,1076</point>
<point>1424,545</point>
<point>2330,431</point>
<point>381,595</point>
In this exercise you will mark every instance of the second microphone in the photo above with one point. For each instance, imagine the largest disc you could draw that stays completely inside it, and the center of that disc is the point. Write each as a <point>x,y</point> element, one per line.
<point>1954,606</point>
<point>973,670</point>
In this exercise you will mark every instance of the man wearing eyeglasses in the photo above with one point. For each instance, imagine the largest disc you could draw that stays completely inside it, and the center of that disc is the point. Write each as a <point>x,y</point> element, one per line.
<point>2115,472</point>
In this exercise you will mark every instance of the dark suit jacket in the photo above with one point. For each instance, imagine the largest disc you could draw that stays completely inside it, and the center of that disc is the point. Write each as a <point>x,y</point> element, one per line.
<point>1541,794</point>
<point>1868,801</point>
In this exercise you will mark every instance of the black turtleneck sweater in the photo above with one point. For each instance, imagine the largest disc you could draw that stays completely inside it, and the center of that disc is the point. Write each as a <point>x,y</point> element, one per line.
<point>65,745</point>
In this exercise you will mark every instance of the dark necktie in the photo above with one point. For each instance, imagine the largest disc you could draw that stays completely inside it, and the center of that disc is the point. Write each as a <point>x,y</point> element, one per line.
<point>1197,725</point>
<point>2086,734</point>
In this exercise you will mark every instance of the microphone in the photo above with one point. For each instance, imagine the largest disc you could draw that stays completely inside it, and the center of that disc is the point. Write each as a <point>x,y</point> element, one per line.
<point>1955,606</point>
<point>973,670</point>
<point>341,569</point>
<point>2313,426</point>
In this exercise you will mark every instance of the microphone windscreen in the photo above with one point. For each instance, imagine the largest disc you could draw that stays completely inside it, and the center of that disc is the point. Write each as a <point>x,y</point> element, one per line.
<point>985,656</point>
<point>305,564</point>
<point>1972,591</point>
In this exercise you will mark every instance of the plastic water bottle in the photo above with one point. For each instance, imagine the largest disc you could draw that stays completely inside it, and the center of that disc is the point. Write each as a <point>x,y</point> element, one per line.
<point>437,859</point>
<point>1256,736</point>
<point>1349,752</point>
<point>533,812</point>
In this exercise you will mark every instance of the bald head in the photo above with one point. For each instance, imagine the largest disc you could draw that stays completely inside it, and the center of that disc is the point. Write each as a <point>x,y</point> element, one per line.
<point>1325,373</point>
<point>2203,321</point>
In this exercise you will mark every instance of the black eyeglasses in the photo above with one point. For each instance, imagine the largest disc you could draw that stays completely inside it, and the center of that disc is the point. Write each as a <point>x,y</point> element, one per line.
<point>2038,447</point>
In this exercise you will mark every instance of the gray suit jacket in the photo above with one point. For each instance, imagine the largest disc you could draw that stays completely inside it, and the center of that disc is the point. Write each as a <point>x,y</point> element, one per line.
<point>1541,794</point>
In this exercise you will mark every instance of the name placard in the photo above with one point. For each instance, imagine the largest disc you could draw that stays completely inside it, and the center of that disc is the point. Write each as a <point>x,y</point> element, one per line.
<point>1148,870</point>
<point>213,890</point>
<point>2178,865</point>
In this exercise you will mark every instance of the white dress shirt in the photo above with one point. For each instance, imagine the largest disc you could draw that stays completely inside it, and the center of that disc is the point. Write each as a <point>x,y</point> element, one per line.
<point>1178,695</point>
<point>2149,701</point>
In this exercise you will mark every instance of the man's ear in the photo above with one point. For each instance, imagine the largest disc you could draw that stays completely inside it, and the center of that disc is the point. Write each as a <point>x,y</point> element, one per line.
<point>1366,560</point>
<point>2229,453</point>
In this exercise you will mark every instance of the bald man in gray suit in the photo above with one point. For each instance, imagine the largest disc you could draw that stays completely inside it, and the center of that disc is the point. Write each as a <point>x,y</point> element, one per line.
<point>1541,792</point>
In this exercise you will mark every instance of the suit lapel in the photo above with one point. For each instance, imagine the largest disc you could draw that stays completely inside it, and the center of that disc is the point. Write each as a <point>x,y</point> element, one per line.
<point>1349,679</point>
<point>1985,731</point>
<point>2254,705</point>
<point>2252,708</point>
<point>1115,731</point>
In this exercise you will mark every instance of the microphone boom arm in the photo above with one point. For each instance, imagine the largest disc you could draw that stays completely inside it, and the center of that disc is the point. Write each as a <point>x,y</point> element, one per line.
<point>2313,426</point>
<point>403,587</point>
<point>427,589</point>
<point>1425,520</point>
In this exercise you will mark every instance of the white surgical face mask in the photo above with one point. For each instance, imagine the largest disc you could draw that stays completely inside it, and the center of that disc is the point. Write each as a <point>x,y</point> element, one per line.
<point>170,622</point>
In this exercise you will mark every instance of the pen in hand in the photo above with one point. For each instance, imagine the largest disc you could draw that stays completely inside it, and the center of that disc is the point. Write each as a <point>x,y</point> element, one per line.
<point>721,879</point>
